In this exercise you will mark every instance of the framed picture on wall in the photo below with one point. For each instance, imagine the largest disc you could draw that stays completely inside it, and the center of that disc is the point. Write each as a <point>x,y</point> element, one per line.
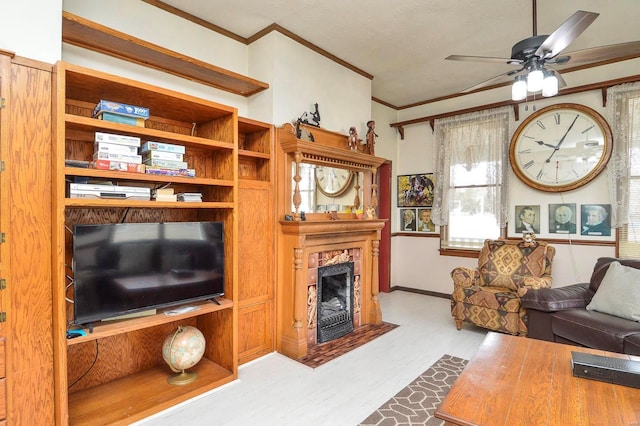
<point>562,218</point>
<point>527,219</point>
<point>595,220</point>
<point>424,221</point>
<point>408,220</point>
<point>415,190</point>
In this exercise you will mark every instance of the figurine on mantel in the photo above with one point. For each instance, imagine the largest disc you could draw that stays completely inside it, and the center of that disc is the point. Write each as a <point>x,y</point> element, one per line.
<point>353,139</point>
<point>312,119</point>
<point>371,138</point>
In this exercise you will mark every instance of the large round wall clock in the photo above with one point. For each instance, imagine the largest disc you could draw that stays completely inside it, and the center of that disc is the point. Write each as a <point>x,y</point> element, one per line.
<point>332,181</point>
<point>561,147</point>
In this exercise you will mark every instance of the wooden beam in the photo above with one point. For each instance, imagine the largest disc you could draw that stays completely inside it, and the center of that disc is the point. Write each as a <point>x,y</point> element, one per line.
<point>93,36</point>
<point>603,85</point>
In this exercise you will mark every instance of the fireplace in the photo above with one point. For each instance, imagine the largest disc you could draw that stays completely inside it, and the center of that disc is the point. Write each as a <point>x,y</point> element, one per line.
<point>334,301</point>
<point>314,253</point>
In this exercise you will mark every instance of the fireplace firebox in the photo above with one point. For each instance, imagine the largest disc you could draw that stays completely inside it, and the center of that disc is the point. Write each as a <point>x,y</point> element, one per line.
<point>335,301</point>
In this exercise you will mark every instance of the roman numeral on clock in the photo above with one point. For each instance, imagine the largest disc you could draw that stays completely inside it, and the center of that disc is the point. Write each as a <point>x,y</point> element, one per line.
<point>529,164</point>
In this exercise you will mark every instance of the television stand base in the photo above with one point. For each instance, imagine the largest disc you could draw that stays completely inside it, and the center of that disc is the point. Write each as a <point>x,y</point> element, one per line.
<point>214,300</point>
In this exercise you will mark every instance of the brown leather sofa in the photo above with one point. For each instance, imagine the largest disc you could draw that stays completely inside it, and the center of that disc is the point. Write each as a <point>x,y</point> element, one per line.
<point>560,315</point>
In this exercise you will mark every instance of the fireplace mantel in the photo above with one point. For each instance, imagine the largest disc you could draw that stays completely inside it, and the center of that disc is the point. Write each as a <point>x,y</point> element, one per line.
<point>305,245</point>
<point>300,244</point>
<point>330,227</point>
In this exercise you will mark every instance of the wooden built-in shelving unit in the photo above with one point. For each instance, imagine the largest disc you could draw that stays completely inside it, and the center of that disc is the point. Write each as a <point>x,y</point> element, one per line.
<point>128,379</point>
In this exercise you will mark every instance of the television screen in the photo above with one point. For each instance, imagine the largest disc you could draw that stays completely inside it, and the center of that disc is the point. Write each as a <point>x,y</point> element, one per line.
<point>131,267</point>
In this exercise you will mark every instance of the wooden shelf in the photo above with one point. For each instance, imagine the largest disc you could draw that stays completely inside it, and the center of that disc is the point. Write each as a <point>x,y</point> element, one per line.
<point>78,127</point>
<point>253,154</point>
<point>93,36</point>
<point>142,204</point>
<point>107,174</point>
<point>111,328</point>
<point>141,394</point>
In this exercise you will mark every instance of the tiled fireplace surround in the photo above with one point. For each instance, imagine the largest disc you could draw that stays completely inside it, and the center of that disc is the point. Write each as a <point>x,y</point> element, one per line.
<point>308,246</point>
<point>326,258</point>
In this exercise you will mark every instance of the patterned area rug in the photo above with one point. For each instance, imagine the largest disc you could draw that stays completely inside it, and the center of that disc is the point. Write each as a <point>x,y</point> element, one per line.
<point>325,352</point>
<point>415,404</point>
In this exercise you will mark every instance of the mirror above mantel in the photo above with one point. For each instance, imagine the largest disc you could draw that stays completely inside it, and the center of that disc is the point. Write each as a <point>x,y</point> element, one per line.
<point>326,189</point>
<point>326,176</point>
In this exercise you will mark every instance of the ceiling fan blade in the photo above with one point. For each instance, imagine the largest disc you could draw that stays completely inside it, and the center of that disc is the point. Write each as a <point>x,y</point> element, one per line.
<point>504,77</point>
<point>604,53</point>
<point>564,35</point>
<point>484,59</point>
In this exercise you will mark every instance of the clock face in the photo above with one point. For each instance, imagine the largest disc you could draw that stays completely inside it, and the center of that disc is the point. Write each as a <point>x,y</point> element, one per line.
<point>560,147</point>
<point>332,181</point>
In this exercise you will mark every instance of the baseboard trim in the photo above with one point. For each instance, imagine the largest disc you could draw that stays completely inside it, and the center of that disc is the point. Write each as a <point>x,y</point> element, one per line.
<point>418,291</point>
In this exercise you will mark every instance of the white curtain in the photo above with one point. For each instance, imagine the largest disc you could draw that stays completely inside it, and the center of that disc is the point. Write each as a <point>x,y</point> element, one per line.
<point>620,114</point>
<point>464,143</point>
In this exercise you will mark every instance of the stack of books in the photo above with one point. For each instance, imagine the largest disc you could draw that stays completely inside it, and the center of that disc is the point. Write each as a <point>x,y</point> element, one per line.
<point>118,112</point>
<point>117,152</point>
<point>164,194</point>
<point>190,197</point>
<point>165,159</point>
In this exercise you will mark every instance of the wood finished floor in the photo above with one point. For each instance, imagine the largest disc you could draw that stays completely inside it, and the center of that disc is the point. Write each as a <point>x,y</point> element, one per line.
<point>277,391</point>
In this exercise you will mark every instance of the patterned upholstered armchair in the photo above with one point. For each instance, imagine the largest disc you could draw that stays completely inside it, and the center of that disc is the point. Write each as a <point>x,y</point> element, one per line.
<point>489,296</point>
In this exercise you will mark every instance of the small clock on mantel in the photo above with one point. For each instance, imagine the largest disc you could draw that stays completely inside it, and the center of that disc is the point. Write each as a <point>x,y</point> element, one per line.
<point>333,181</point>
<point>561,147</point>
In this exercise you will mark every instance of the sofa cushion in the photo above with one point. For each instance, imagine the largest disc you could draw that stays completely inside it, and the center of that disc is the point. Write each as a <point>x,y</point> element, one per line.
<point>556,299</point>
<point>618,293</point>
<point>632,344</point>
<point>593,329</point>
<point>505,263</point>
<point>496,298</point>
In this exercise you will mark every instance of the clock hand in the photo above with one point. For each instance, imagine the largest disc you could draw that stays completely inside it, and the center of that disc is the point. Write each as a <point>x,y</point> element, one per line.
<point>557,147</point>
<point>546,144</point>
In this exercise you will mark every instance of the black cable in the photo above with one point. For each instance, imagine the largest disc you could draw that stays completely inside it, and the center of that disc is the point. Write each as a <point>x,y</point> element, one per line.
<point>89,369</point>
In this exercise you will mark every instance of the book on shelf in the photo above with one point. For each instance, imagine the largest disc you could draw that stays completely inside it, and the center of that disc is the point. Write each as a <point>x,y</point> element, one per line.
<point>166,197</point>
<point>165,164</point>
<point>190,197</point>
<point>121,119</point>
<point>117,139</point>
<point>121,109</point>
<point>171,172</point>
<point>162,146</point>
<point>115,148</point>
<point>116,156</point>
<point>161,155</point>
<point>118,166</point>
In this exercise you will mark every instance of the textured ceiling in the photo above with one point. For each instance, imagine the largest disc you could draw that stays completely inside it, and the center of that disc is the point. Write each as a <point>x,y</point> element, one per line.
<point>403,43</point>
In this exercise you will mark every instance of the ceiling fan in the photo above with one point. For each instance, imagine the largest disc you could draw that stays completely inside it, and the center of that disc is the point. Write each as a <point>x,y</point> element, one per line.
<point>534,56</point>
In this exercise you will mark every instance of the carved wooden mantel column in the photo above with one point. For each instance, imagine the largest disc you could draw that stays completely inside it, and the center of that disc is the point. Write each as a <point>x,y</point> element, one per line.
<point>300,239</point>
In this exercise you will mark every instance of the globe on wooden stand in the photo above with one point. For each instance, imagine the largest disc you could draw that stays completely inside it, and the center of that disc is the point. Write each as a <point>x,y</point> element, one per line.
<point>181,350</point>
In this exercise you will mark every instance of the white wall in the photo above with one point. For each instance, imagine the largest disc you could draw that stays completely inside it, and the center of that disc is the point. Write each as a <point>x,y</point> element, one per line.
<point>301,78</point>
<point>31,28</point>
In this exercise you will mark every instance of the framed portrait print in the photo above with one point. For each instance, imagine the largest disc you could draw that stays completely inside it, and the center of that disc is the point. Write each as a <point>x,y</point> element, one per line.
<point>408,220</point>
<point>562,218</point>
<point>424,221</point>
<point>415,190</point>
<point>527,219</point>
<point>595,220</point>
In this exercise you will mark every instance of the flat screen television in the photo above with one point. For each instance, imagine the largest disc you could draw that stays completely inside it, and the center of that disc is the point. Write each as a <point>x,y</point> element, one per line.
<point>132,267</point>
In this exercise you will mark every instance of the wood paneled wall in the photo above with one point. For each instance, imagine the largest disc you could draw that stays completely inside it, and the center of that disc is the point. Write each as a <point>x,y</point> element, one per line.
<point>26,199</point>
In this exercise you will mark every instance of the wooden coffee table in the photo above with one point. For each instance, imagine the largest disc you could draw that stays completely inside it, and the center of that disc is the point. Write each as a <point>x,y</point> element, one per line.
<point>519,381</point>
